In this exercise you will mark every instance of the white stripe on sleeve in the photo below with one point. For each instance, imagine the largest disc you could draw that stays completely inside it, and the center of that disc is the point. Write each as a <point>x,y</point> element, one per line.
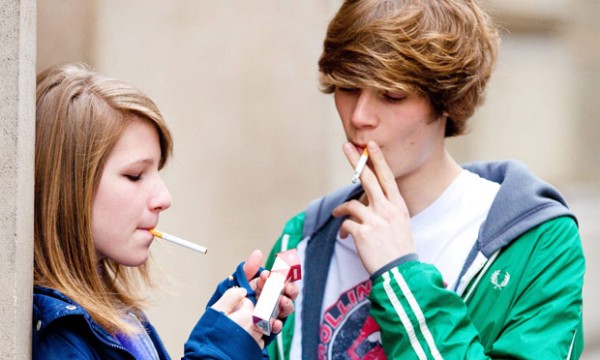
<point>403,317</point>
<point>418,313</point>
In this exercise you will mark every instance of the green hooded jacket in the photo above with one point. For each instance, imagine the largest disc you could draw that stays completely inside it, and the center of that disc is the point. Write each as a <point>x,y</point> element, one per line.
<point>519,295</point>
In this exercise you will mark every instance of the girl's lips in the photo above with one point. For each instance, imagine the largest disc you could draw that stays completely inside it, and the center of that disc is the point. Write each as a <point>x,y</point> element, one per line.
<point>146,231</point>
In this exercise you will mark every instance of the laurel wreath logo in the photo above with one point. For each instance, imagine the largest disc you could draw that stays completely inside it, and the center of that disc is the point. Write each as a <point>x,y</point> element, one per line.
<point>495,279</point>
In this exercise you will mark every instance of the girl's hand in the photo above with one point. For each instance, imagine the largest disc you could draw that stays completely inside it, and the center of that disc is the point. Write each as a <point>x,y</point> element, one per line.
<point>381,228</point>
<point>286,304</point>
<point>239,308</point>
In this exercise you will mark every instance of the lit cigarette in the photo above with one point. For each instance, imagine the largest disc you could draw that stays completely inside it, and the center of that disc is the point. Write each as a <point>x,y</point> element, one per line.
<point>178,241</point>
<point>360,166</point>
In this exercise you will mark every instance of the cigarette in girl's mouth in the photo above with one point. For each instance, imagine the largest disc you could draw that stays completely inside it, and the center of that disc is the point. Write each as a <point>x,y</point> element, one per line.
<point>360,166</point>
<point>178,241</point>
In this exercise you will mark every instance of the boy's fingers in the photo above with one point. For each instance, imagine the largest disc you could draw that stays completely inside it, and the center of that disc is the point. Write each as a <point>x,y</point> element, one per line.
<point>367,177</point>
<point>385,177</point>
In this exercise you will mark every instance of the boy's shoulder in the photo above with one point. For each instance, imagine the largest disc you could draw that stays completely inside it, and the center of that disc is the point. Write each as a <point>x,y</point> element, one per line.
<point>319,210</point>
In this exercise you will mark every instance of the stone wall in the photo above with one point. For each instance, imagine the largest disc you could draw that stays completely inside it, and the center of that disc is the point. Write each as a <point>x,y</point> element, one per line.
<point>17,118</point>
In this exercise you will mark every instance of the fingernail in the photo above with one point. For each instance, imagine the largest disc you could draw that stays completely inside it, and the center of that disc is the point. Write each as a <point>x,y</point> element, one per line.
<point>348,146</point>
<point>372,146</point>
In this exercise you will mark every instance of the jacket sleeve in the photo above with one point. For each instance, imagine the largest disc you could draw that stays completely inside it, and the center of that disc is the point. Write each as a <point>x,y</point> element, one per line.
<point>215,336</point>
<point>419,318</point>
<point>289,239</point>
<point>237,279</point>
<point>537,318</point>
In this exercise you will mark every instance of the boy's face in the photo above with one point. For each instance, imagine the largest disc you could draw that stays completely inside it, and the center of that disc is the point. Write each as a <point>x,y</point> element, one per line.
<point>402,123</point>
<point>130,196</point>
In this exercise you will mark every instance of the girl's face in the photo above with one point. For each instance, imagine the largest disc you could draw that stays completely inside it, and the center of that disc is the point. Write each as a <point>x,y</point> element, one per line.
<point>402,124</point>
<point>130,196</point>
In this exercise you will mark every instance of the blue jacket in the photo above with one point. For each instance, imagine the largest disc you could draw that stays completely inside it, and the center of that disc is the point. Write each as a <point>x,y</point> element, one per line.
<point>62,329</point>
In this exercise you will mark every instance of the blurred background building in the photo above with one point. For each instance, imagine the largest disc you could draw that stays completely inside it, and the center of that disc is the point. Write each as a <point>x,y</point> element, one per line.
<point>255,140</point>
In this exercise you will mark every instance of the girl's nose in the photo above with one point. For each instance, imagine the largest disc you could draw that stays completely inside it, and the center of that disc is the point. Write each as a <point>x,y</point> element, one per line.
<point>161,199</point>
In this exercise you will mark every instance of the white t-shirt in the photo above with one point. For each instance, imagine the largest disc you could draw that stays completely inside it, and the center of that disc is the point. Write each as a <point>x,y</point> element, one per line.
<point>444,233</point>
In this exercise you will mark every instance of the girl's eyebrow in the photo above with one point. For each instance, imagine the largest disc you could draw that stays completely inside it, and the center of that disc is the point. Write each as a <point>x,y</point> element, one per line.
<point>143,161</point>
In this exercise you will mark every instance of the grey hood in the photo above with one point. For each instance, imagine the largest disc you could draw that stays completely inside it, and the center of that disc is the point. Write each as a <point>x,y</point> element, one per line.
<point>523,202</point>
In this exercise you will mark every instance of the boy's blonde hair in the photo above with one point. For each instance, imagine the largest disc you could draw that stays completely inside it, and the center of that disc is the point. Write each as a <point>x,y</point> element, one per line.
<point>442,49</point>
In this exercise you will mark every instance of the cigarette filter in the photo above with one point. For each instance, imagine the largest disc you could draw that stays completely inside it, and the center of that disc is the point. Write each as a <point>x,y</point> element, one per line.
<point>360,166</point>
<point>178,241</point>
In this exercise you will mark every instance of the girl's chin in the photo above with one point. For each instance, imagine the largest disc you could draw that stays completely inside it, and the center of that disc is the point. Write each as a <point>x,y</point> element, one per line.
<point>134,264</point>
<point>134,261</point>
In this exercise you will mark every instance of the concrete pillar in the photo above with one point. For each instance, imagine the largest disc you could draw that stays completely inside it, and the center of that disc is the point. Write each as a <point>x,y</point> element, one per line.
<point>17,136</point>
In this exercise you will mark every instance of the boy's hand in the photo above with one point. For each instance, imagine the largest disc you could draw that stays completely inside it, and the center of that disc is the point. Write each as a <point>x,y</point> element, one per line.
<point>381,228</point>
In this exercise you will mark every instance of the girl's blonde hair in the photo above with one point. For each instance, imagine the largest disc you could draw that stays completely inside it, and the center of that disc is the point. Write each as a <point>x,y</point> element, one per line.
<point>80,116</point>
<point>444,50</point>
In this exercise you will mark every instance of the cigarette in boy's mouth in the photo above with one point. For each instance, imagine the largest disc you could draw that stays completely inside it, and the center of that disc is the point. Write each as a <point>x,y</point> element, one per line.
<point>178,241</point>
<point>360,166</point>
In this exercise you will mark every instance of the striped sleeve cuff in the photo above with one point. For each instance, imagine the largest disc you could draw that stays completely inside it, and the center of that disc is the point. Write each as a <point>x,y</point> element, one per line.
<point>399,261</point>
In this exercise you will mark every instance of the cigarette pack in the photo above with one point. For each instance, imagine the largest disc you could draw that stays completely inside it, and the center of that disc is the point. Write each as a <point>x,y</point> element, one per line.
<point>285,268</point>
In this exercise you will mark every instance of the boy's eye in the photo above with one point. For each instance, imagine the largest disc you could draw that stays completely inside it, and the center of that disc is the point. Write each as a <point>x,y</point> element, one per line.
<point>394,95</point>
<point>347,89</point>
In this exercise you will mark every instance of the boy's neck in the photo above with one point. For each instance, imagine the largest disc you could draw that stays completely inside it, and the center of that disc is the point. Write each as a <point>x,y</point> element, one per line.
<point>421,188</point>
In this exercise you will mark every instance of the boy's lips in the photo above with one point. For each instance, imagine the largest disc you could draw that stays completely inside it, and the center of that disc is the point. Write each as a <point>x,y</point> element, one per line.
<point>359,147</point>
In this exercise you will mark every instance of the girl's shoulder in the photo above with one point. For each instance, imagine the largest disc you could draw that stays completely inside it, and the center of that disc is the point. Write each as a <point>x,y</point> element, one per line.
<point>61,326</point>
<point>50,305</point>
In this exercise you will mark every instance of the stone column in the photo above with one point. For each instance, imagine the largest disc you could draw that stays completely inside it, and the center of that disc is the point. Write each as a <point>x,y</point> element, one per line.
<point>17,136</point>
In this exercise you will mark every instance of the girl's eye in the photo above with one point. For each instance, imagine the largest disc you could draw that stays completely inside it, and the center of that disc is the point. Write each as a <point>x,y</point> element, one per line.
<point>134,177</point>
